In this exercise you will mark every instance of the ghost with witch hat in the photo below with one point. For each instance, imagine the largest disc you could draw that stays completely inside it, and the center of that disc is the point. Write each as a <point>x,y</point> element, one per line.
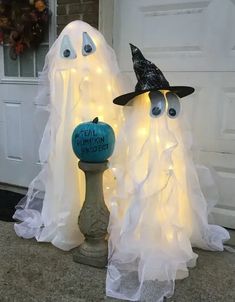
<point>158,209</point>
<point>79,81</point>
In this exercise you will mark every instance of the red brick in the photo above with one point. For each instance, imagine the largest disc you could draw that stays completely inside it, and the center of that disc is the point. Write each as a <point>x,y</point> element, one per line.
<point>70,10</point>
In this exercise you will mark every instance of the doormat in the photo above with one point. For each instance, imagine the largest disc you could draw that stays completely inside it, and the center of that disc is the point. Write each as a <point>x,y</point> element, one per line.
<point>8,201</point>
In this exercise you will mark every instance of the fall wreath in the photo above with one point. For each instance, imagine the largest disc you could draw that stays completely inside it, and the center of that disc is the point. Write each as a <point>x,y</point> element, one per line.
<point>23,24</point>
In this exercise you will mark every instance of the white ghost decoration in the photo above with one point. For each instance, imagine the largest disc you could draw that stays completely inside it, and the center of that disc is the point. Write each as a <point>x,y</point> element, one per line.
<point>158,211</point>
<point>83,79</point>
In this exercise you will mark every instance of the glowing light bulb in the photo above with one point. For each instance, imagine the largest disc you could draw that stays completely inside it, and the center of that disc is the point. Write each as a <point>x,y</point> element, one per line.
<point>157,139</point>
<point>109,88</point>
<point>99,70</point>
<point>169,235</point>
<point>86,78</point>
<point>168,145</point>
<point>143,131</point>
<point>107,188</point>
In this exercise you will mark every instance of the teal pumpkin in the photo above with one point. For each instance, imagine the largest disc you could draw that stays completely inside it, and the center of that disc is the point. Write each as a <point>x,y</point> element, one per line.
<point>93,142</point>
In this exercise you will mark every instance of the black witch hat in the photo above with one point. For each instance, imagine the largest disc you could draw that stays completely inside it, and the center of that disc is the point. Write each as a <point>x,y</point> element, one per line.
<point>150,78</point>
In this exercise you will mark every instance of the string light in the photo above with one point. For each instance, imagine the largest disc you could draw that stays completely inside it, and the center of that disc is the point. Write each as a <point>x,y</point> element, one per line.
<point>168,145</point>
<point>142,131</point>
<point>169,235</point>
<point>99,70</point>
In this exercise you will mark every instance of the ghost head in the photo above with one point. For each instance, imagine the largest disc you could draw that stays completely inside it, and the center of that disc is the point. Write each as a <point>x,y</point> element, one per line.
<point>83,73</point>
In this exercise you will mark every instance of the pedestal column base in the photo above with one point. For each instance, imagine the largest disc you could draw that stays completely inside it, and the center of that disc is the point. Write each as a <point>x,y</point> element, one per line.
<point>92,253</point>
<point>94,218</point>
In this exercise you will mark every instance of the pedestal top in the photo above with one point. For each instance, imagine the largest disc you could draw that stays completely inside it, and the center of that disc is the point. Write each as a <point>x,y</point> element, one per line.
<point>93,166</point>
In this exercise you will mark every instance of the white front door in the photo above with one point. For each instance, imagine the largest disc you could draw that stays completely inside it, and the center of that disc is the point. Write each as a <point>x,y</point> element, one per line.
<point>21,124</point>
<point>193,42</point>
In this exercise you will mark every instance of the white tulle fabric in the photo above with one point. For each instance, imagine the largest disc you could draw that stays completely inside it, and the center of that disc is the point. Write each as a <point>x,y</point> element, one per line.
<point>74,91</point>
<point>158,210</point>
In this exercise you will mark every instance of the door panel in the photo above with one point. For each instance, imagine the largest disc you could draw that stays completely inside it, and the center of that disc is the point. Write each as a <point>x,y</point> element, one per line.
<point>20,135</point>
<point>22,121</point>
<point>181,35</point>
<point>193,42</point>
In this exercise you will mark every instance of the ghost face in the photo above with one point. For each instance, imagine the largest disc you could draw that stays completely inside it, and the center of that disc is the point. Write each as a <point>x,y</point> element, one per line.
<point>164,101</point>
<point>82,70</point>
<point>76,46</point>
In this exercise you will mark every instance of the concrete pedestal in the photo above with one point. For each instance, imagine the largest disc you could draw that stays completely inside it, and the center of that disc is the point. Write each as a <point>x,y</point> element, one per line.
<point>94,218</point>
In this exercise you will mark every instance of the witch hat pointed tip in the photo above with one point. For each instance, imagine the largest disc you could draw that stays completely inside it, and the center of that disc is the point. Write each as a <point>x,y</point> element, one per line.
<point>131,45</point>
<point>133,48</point>
<point>136,53</point>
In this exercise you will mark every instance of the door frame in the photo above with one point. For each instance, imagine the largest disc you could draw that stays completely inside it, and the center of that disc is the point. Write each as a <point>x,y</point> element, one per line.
<point>106,19</point>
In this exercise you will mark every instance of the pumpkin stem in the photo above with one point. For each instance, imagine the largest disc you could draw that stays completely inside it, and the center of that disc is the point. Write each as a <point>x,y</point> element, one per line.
<point>95,120</point>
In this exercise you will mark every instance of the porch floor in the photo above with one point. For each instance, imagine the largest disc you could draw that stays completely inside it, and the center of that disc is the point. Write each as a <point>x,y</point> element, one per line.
<point>31,272</point>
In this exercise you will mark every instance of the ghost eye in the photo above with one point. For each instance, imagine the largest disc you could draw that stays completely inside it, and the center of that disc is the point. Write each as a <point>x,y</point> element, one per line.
<point>66,53</point>
<point>66,50</point>
<point>88,46</point>
<point>173,105</point>
<point>158,103</point>
<point>156,111</point>
<point>172,112</point>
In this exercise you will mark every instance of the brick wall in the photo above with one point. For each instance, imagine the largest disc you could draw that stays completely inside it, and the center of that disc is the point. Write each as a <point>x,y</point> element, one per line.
<point>70,10</point>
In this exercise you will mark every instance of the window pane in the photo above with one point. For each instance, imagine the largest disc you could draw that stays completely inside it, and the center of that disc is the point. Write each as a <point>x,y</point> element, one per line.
<point>10,66</point>
<point>40,57</point>
<point>27,63</point>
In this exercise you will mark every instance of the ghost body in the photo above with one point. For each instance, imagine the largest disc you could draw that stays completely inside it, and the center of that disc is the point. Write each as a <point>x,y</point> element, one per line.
<point>82,75</point>
<point>158,211</point>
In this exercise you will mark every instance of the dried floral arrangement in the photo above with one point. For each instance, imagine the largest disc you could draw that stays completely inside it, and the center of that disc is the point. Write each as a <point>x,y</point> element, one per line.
<point>23,24</point>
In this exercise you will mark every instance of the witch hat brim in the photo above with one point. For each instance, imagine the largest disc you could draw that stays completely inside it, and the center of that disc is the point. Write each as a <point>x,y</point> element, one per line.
<point>150,78</point>
<point>180,91</point>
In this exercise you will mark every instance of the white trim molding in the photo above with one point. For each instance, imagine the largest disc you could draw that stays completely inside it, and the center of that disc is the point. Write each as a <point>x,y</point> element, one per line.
<point>106,14</point>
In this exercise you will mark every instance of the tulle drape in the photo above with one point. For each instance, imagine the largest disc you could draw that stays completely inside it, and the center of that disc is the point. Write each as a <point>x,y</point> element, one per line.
<point>158,211</point>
